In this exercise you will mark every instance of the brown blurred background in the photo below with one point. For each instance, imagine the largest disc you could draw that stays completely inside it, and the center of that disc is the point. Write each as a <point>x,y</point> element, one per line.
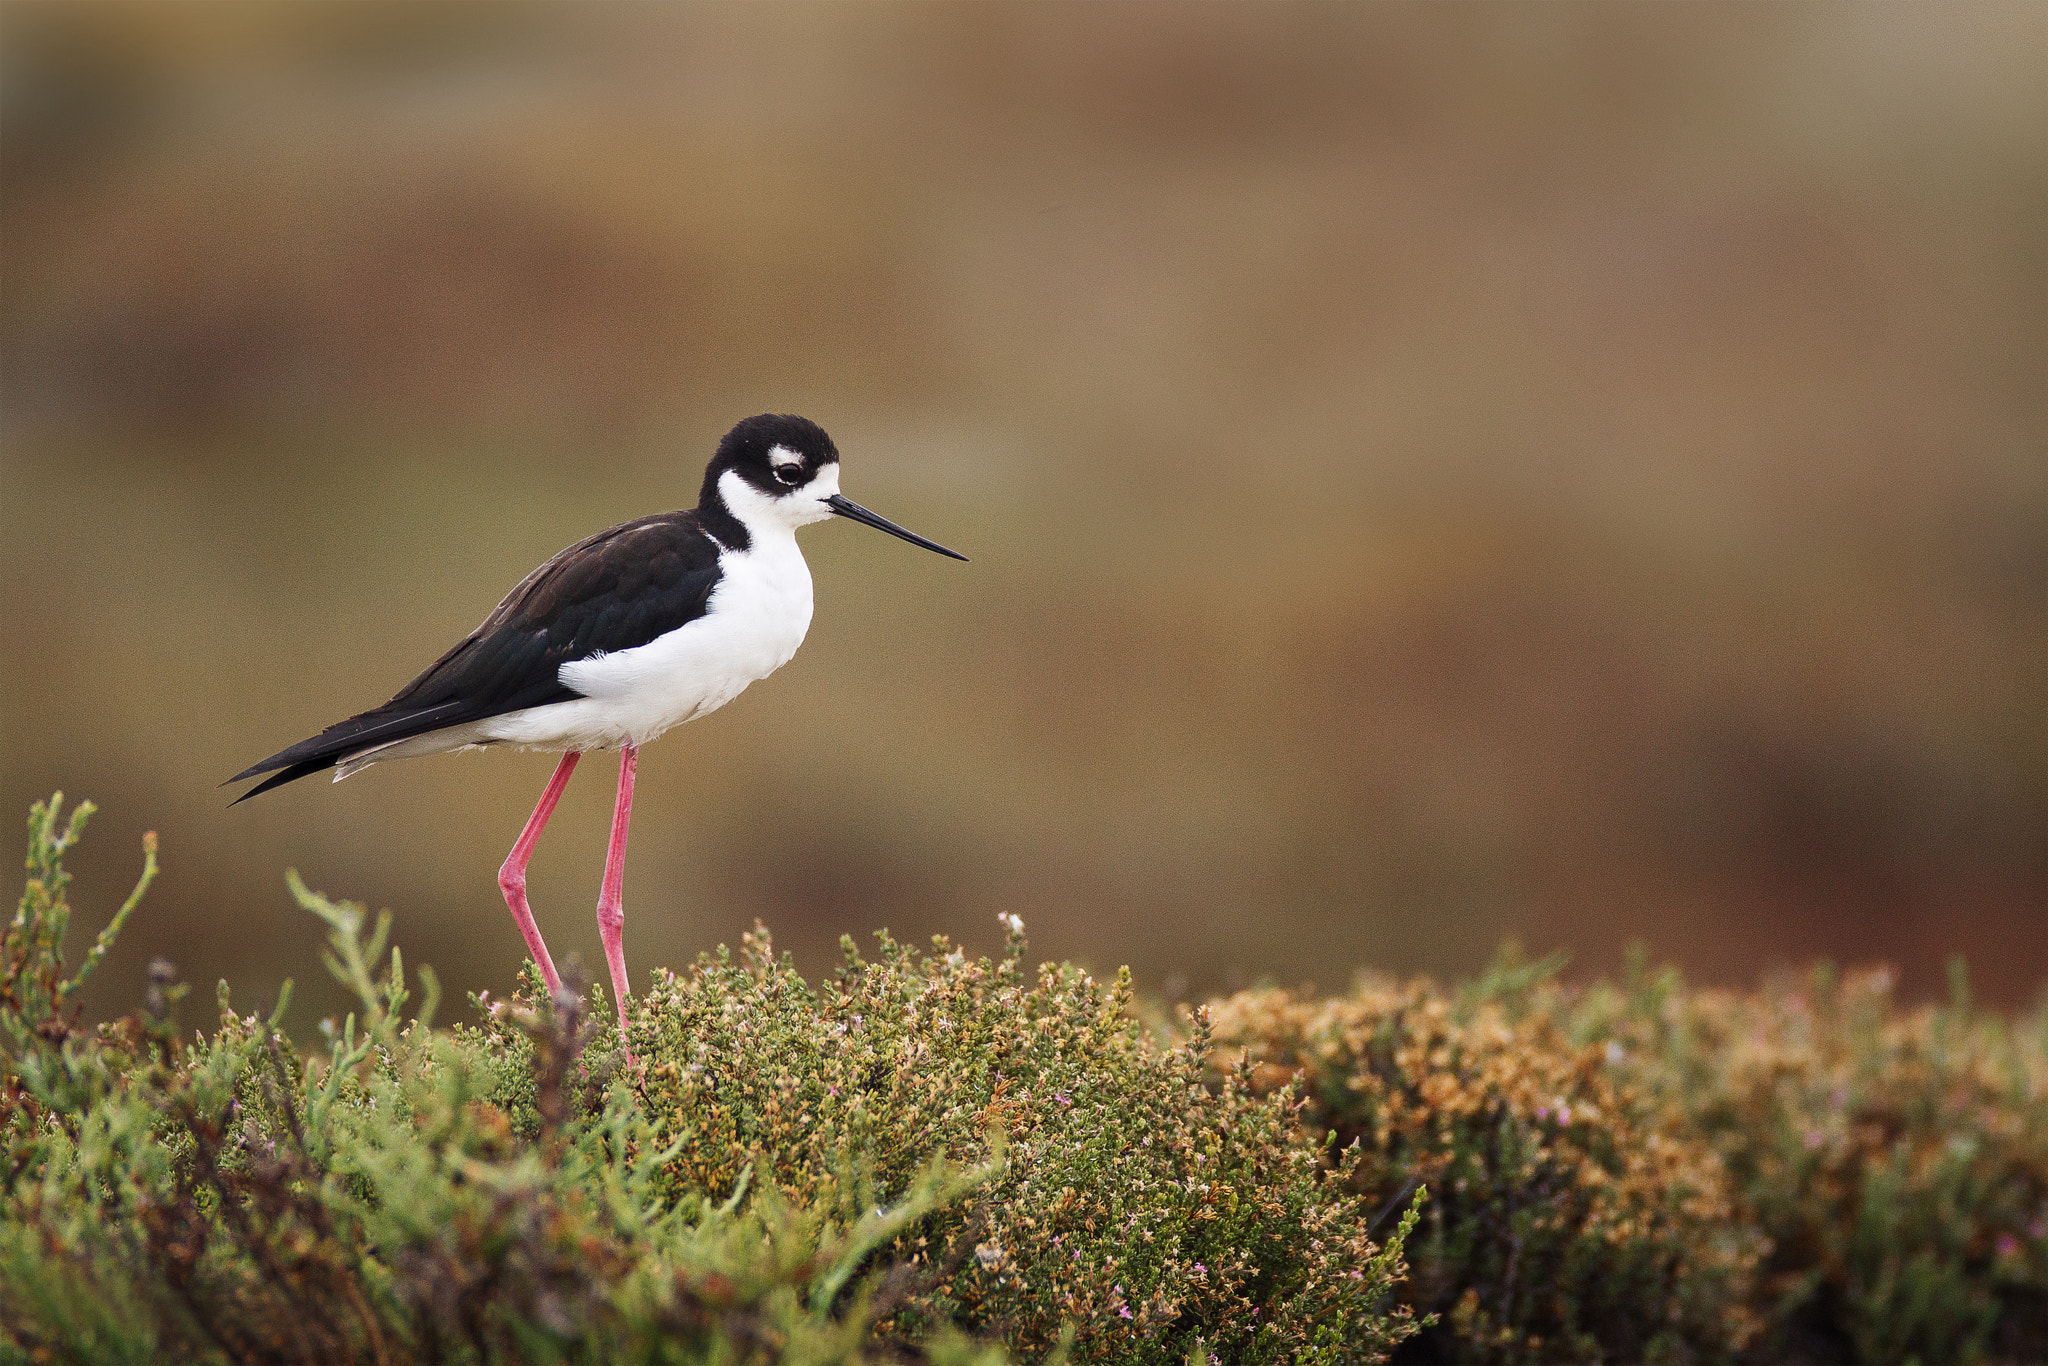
<point>1433,474</point>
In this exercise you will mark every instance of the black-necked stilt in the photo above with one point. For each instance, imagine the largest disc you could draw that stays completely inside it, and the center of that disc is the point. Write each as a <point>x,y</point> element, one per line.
<point>626,633</point>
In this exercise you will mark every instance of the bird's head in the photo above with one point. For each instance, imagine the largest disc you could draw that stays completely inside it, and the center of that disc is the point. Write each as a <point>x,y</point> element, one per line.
<point>779,470</point>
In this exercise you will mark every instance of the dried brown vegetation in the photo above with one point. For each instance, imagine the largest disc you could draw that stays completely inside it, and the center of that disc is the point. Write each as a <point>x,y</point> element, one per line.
<point>1571,1218</point>
<point>1810,1172</point>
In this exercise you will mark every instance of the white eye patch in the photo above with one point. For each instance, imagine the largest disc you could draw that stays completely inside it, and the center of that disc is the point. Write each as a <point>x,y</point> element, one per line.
<point>782,457</point>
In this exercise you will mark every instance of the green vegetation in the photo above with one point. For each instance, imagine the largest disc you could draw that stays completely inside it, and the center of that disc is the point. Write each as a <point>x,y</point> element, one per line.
<point>928,1158</point>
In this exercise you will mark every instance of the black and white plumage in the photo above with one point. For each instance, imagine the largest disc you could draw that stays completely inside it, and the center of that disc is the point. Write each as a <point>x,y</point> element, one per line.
<point>621,636</point>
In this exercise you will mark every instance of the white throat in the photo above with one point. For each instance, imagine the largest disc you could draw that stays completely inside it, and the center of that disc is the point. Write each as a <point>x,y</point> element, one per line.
<point>763,515</point>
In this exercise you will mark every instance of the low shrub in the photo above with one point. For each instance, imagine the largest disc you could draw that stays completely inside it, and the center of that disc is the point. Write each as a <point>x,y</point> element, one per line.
<point>230,1200</point>
<point>1150,1212</point>
<point>931,1158</point>
<point>926,1160</point>
<point>1571,1217</point>
<point>1896,1158</point>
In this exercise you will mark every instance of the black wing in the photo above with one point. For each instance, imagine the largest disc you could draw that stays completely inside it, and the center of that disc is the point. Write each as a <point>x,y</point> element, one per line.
<point>620,588</point>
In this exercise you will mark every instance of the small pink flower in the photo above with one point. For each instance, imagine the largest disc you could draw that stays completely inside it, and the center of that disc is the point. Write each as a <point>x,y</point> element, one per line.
<point>2008,1246</point>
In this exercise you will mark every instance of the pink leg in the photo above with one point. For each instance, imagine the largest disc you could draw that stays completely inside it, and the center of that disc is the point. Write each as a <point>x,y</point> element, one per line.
<point>512,877</point>
<point>611,916</point>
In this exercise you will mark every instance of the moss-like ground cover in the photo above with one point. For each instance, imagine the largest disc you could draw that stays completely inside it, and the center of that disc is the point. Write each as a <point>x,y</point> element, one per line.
<point>932,1158</point>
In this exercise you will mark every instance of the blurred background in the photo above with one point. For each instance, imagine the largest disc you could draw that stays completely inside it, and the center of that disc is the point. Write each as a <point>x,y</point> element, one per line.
<point>1575,472</point>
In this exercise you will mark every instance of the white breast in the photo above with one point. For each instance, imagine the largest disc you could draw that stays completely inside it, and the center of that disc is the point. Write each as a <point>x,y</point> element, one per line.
<point>752,625</point>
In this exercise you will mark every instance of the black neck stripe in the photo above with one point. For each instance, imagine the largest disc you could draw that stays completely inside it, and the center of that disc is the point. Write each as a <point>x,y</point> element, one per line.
<point>719,523</point>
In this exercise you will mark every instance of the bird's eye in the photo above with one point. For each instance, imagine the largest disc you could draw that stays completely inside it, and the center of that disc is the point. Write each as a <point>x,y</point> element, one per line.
<point>790,474</point>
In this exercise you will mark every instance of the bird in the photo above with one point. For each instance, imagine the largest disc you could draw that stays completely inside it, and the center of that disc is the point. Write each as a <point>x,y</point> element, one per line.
<point>620,637</point>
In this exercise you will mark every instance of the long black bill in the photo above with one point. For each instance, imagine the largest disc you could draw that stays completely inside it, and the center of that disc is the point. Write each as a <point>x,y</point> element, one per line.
<point>846,507</point>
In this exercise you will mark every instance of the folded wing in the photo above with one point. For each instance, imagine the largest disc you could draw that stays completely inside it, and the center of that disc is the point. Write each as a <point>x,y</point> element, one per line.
<point>621,588</point>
